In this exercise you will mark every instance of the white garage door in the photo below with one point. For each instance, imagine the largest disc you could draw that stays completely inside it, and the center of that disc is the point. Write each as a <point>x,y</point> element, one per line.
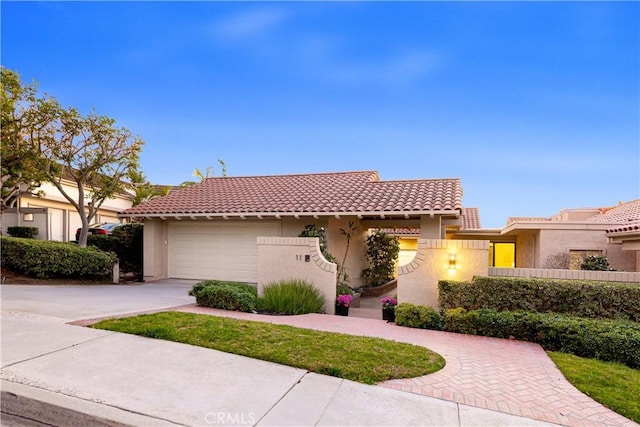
<point>220,250</point>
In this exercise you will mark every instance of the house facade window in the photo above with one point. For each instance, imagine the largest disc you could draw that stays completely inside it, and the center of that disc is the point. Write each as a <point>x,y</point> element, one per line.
<point>577,255</point>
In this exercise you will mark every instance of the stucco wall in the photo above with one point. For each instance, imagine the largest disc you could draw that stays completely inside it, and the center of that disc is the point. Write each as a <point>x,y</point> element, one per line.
<point>282,258</point>
<point>292,227</point>
<point>10,219</point>
<point>562,241</point>
<point>526,250</point>
<point>418,280</point>
<point>337,243</point>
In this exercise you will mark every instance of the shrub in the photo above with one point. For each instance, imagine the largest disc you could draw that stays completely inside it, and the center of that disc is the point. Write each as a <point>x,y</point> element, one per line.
<point>595,263</point>
<point>130,247</point>
<point>343,289</point>
<point>418,316</point>
<point>291,297</point>
<point>25,232</point>
<point>126,242</point>
<point>46,259</point>
<point>576,297</point>
<point>104,242</point>
<point>609,340</point>
<point>382,254</point>
<point>225,295</point>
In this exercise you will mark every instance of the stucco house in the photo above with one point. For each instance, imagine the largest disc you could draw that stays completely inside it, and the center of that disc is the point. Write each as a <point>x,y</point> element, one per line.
<point>209,230</point>
<point>46,208</point>
<point>573,233</point>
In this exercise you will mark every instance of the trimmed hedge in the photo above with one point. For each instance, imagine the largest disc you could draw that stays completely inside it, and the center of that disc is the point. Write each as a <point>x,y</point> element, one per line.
<point>47,259</point>
<point>25,232</point>
<point>582,298</point>
<point>609,340</point>
<point>225,295</point>
<point>418,316</point>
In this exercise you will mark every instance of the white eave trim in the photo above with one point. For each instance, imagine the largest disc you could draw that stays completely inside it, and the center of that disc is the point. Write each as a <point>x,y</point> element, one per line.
<point>279,215</point>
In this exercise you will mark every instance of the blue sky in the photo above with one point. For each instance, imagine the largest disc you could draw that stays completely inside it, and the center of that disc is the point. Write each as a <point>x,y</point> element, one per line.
<point>535,106</point>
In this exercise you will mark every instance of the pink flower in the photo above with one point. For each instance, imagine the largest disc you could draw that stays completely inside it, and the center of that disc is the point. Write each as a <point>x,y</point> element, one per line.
<point>388,302</point>
<point>344,299</point>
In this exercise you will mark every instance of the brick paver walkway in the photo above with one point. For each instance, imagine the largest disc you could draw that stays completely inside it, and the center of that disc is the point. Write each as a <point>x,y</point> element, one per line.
<point>513,377</point>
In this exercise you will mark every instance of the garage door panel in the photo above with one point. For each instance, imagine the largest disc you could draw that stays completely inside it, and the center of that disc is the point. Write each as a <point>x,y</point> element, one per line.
<point>217,250</point>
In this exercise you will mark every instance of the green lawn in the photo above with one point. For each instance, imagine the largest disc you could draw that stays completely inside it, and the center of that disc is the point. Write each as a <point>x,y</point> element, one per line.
<point>363,359</point>
<point>614,385</point>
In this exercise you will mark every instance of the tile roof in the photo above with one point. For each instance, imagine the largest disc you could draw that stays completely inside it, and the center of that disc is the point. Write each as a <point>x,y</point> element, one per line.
<point>471,219</point>
<point>632,227</point>
<point>341,192</point>
<point>629,211</point>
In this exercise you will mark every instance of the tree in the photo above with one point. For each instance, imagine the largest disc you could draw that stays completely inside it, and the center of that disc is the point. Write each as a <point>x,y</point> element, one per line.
<point>92,153</point>
<point>144,190</point>
<point>25,119</point>
<point>209,173</point>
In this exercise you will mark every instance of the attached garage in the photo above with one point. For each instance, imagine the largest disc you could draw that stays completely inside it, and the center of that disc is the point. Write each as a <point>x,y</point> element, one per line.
<point>225,250</point>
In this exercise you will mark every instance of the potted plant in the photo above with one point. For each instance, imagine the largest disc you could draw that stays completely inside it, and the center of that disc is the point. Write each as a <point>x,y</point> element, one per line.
<point>389,308</point>
<point>342,304</point>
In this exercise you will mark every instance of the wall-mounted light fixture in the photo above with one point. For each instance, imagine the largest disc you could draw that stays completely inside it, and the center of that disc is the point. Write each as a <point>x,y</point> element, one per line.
<point>452,263</point>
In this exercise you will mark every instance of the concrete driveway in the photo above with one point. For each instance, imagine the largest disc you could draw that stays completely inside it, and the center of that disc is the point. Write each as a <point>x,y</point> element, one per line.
<point>75,302</point>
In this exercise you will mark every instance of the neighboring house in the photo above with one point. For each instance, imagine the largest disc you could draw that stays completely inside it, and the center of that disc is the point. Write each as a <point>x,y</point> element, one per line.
<point>56,219</point>
<point>209,230</point>
<point>571,235</point>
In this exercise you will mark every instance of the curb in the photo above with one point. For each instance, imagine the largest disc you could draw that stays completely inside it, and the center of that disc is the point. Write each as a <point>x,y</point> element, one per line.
<point>35,406</point>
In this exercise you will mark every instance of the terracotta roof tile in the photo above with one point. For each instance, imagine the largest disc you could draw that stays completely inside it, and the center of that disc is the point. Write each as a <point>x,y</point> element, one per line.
<point>340,192</point>
<point>629,211</point>
<point>631,227</point>
<point>471,219</point>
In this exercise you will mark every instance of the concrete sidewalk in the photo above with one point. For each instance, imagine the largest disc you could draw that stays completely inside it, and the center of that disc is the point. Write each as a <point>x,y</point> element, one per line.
<point>63,375</point>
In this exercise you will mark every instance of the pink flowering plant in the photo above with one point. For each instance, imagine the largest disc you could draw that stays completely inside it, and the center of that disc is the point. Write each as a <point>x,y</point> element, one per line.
<point>389,302</point>
<point>344,300</point>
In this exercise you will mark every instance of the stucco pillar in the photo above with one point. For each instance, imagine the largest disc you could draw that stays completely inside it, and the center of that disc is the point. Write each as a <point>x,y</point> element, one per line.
<point>431,228</point>
<point>418,280</point>
<point>156,255</point>
<point>337,244</point>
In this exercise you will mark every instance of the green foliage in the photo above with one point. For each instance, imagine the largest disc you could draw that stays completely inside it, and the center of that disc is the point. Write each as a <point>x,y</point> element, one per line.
<point>595,263</point>
<point>291,297</point>
<point>576,297</point>
<point>25,118</point>
<point>24,232</point>
<point>130,247</point>
<point>609,340</point>
<point>382,254</point>
<point>126,242</point>
<point>225,295</point>
<point>46,259</point>
<point>418,316</point>
<point>104,242</point>
<point>343,289</point>
<point>312,230</point>
<point>364,359</point>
